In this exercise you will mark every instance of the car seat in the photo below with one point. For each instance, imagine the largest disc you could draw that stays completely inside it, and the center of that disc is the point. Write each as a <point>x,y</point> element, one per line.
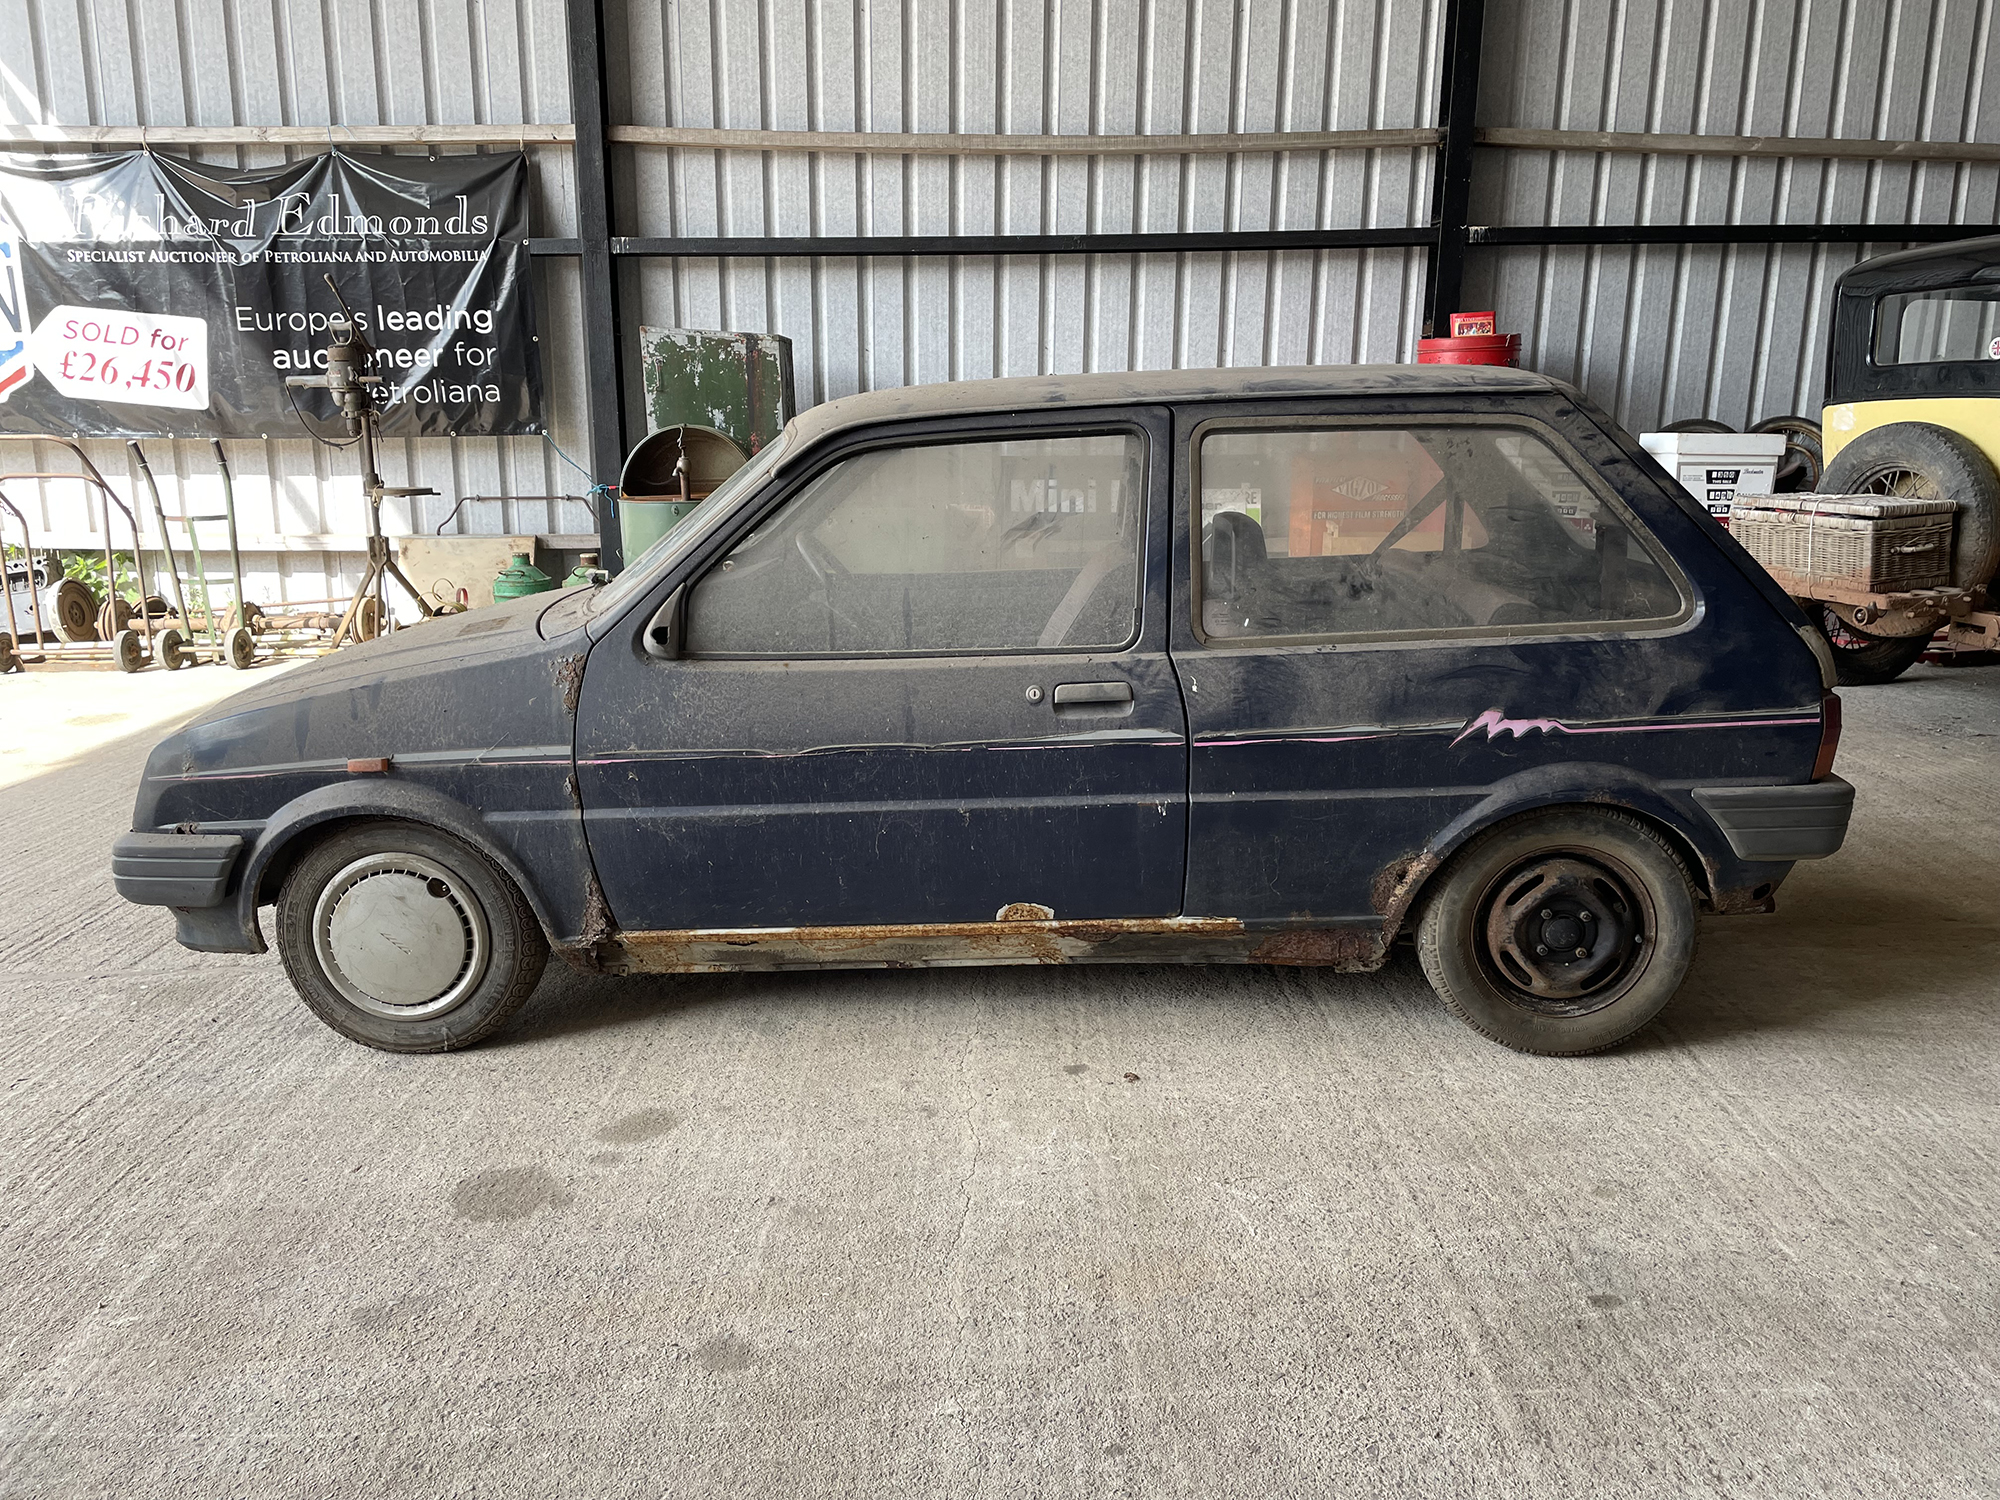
<point>1235,566</point>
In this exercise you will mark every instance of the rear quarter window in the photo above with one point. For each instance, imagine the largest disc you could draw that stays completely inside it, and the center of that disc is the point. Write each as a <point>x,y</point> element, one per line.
<point>1440,528</point>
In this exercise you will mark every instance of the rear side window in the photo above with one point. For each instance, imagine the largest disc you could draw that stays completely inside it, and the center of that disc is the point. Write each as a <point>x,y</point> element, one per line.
<point>1421,530</point>
<point>1952,326</point>
<point>1018,545</point>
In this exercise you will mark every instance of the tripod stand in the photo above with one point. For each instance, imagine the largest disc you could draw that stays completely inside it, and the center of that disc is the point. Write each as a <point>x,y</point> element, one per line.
<point>348,381</point>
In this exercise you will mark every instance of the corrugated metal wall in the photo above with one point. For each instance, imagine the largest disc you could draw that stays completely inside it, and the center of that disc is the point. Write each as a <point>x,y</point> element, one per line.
<point>1653,333</point>
<point>1735,333</point>
<point>304,62</point>
<point>1019,66</point>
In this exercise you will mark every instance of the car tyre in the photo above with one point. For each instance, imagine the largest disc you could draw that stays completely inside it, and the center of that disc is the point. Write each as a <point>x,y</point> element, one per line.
<point>1922,461</point>
<point>1864,660</point>
<point>1527,882</point>
<point>404,938</point>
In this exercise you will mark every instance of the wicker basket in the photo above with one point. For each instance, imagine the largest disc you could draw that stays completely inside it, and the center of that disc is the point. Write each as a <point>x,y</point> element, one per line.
<point>1866,543</point>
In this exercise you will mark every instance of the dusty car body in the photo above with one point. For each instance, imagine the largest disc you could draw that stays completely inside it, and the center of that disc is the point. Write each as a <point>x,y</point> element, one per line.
<point>1204,666</point>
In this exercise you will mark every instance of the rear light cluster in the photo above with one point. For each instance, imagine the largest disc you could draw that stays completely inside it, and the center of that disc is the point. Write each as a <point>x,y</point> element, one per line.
<point>1829,736</point>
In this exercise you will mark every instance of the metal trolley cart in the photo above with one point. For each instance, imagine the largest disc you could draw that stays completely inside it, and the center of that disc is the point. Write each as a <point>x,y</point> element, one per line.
<point>109,639</point>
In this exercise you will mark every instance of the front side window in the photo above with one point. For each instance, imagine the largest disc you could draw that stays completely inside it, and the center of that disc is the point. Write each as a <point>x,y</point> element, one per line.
<point>1019,544</point>
<point>1953,326</point>
<point>1389,530</point>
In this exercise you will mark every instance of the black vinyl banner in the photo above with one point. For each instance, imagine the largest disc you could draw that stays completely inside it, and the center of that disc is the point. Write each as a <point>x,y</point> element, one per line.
<point>146,296</point>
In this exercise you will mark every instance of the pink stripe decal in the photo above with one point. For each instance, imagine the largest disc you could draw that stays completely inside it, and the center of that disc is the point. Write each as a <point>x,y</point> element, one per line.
<point>1496,724</point>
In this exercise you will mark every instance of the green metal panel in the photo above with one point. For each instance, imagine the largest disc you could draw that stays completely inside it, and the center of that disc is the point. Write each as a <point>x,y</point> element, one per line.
<point>738,383</point>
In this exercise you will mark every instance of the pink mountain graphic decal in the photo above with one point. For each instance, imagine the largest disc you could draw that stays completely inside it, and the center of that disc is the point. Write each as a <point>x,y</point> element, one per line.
<point>1496,724</point>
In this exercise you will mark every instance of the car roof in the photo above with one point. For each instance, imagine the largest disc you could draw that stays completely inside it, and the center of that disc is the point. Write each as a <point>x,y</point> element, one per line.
<point>1048,392</point>
<point>1954,263</point>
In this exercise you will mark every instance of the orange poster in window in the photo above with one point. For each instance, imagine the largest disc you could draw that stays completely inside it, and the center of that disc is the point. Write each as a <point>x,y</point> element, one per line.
<point>1346,500</point>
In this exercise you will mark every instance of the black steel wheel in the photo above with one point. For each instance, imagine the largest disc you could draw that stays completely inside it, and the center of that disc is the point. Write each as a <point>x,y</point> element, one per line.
<point>1864,660</point>
<point>403,938</point>
<point>1560,932</point>
<point>240,647</point>
<point>8,660</point>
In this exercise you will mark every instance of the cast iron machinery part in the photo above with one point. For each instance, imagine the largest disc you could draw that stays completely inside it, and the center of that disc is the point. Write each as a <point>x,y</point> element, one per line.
<point>402,937</point>
<point>113,616</point>
<point>8,660</point>
<point>1560,932</point>
<point>128,651</point>
<point>76,611</point>
<point>1697,424</point>
<point>1921,461</point>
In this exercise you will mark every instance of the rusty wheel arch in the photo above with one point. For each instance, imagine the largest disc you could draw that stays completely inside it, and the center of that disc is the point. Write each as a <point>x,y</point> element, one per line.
<point>1699,869</point>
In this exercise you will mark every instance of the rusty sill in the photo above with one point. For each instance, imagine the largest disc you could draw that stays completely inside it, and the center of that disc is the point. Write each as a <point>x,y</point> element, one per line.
<point>947,944</point>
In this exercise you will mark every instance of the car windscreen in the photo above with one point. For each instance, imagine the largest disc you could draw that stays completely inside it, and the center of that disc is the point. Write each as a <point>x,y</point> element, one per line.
<point>641,570</point>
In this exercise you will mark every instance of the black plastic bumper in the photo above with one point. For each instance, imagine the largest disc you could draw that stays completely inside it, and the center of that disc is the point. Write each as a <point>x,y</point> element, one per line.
<point>1773,823</point>
<point>174,869</point>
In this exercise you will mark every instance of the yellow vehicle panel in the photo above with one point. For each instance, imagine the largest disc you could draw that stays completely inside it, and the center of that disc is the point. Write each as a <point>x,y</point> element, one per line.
<point>1974,417</point>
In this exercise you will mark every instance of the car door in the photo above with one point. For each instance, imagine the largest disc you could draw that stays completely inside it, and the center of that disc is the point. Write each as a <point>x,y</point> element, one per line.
<point>1391,608</point>
<point>923,680</point>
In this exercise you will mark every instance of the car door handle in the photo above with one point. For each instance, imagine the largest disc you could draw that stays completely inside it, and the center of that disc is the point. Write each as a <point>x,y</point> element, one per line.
<point>1100,697</point>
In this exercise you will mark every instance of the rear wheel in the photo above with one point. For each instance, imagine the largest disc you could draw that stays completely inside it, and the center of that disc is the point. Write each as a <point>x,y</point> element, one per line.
<point>1864,660</point>
<point>404,938</point>
<point>1560,932</point>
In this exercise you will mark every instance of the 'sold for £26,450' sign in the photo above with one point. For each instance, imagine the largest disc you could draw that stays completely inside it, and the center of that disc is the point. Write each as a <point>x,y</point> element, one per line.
<point>108,355</point>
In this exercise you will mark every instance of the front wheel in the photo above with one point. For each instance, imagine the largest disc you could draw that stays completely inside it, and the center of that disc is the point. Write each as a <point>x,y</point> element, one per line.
<point>1560,932</point>
<point>403,938</point>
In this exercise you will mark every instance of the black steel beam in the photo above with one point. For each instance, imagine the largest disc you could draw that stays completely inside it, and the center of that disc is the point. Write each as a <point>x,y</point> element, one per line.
<point>604,368</point>
<point>1725,234</point>
<point>636,247</point>
<point>1451,177</point>
<point>1171,243</point>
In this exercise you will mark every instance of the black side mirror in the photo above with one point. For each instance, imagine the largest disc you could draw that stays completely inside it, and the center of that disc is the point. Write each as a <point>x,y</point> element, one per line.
<point>664,632</point>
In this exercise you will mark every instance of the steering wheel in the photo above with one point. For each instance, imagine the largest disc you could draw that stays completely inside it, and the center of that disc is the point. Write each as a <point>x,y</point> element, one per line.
<point>825,568</point>
<point>819,557</point>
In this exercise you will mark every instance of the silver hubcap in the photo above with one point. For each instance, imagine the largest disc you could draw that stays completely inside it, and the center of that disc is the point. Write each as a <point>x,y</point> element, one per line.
<point>400,936</point>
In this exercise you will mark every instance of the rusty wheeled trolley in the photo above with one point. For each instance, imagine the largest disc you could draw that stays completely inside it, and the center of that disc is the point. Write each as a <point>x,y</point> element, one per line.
<point>108,639</point>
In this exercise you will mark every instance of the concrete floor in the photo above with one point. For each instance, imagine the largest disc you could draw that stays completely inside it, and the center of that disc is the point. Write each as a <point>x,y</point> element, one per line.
<point>1013,1232</point>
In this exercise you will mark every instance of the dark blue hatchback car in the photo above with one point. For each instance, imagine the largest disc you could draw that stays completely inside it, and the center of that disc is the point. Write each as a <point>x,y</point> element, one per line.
<point>1259,666</point>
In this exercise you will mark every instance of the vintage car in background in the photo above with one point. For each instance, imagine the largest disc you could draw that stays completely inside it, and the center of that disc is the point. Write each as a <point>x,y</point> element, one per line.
<point>1913,413</point>
<point>1260,666</point>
